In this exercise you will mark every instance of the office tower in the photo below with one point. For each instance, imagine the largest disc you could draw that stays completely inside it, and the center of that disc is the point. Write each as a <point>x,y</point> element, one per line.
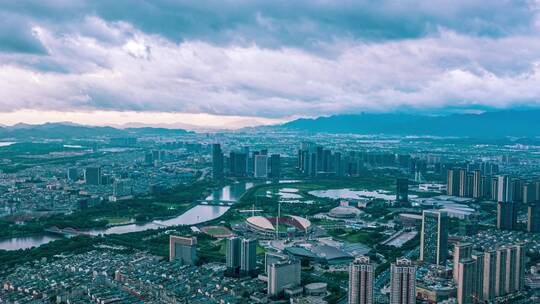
<point>233,254</point>
<point>504,188</point>
<point>281,275</point>
<point>122,188</point>
<point>148,159</point>
<point>434,237</point>
<point>275,166</point>
<point>462,182</point>
<point>479,276</point>
<point>466,281</point>
<point>452,184</point>
<point>237,164</point>
<point>183,249</point>
<point>319,159</point>
<point>506,215</point>
<point>528,193</point>
<point>217,161</point>
<point>478,191</point>
<point>248,256</point>
<point>72,174</point>
<point>533,217</point>
<point>92,175</point>
<point>261,166</point>
<point>271,258</point>
<point>361,281</point>
<point>402,190</point>
<point>402,282</point>
<point>461,251</point>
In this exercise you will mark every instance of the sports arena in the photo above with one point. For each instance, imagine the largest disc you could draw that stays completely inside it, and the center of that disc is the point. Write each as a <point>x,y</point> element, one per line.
<point>290,225</point>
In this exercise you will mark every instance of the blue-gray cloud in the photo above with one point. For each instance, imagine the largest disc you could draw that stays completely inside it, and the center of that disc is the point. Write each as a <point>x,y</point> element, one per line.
<point>268,58</point>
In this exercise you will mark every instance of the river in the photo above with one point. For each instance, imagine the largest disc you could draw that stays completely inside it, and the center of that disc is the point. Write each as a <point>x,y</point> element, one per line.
<point>197,214</point>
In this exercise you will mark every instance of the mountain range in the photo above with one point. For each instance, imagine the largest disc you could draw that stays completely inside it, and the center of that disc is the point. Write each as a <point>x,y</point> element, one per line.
<point>483,125</point>
<point>66,130</point>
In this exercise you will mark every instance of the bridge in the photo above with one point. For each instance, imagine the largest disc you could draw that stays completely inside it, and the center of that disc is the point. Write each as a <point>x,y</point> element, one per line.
<point>66,231</point>
<point>217,203</point>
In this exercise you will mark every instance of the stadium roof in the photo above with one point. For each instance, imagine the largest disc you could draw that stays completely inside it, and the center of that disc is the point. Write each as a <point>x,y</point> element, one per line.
<point>261,221</point>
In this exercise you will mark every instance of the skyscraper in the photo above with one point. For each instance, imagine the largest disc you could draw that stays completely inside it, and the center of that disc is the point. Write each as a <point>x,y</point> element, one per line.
<point>504,189</point>
<point>233,254</point>
<point>461,251</point>
<point>183,249</point>
<point>361,281</point>
<point>281,275</point>
<point>217,161</point>
<point>238,164</point>
<point>275,166</point>
<point>261,166</point>
<point>402,282</point>
<point>72,174</point>
<point>92,175</point>
<point>477,185</point>
<point>248,256</point>
<point>452,183</point>
<point>466,281</point>
<point>479,276</point>
<point>434,237</point>
<point>402,190</point>
<point>490,262</point>
<point>506,215</point>
<point>463,182</point>
<point>533,217</point>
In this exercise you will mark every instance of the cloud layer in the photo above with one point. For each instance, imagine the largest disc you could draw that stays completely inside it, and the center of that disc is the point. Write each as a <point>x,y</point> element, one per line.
<point>268,58</point>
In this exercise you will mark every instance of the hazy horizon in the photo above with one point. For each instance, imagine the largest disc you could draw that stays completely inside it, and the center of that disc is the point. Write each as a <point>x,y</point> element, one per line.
<point>232,64</point>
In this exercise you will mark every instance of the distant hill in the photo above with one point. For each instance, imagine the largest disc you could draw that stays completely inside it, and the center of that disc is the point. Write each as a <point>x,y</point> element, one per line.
<point>485,125</point>
<point>70,130</point>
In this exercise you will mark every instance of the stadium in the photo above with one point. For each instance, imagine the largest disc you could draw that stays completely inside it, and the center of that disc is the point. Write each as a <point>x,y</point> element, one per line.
<point>287,225</point>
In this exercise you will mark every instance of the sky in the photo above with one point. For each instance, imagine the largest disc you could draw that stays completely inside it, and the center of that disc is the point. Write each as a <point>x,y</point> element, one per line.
<point>238,63</point>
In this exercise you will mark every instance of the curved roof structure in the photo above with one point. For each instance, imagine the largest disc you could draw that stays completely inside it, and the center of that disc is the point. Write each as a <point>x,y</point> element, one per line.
<point>305,223</point>
<point>261,221</point>
<point>268,223</point>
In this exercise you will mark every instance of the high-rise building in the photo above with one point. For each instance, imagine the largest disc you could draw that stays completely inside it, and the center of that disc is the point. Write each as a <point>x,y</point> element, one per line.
<point>261,166</point>
<point>275,166</point>
<point>504,270</point>
<point>504,189</point>
<point>237,164</point>
<point>463,182</point>
<point>533,217</point>
<point>489,277</point>
<point>72,174</point>
<point>506,215</point>
<point>217,161</point>
<point>461,251</point>
<point>402,282</point>
<point>478,191</point>
<point>361,273</point>
<point>466,281</point>
<point>271,258</point>
<point>479,276</point>
<point>183,249</point>
<point>402,190</point>
<point>248,256</point>
<point>233,254</point>
<point>452,184</point>
<point>92,175</point>
<point>434,237</point>
<point>122,188</point>
<point>281,275</point>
